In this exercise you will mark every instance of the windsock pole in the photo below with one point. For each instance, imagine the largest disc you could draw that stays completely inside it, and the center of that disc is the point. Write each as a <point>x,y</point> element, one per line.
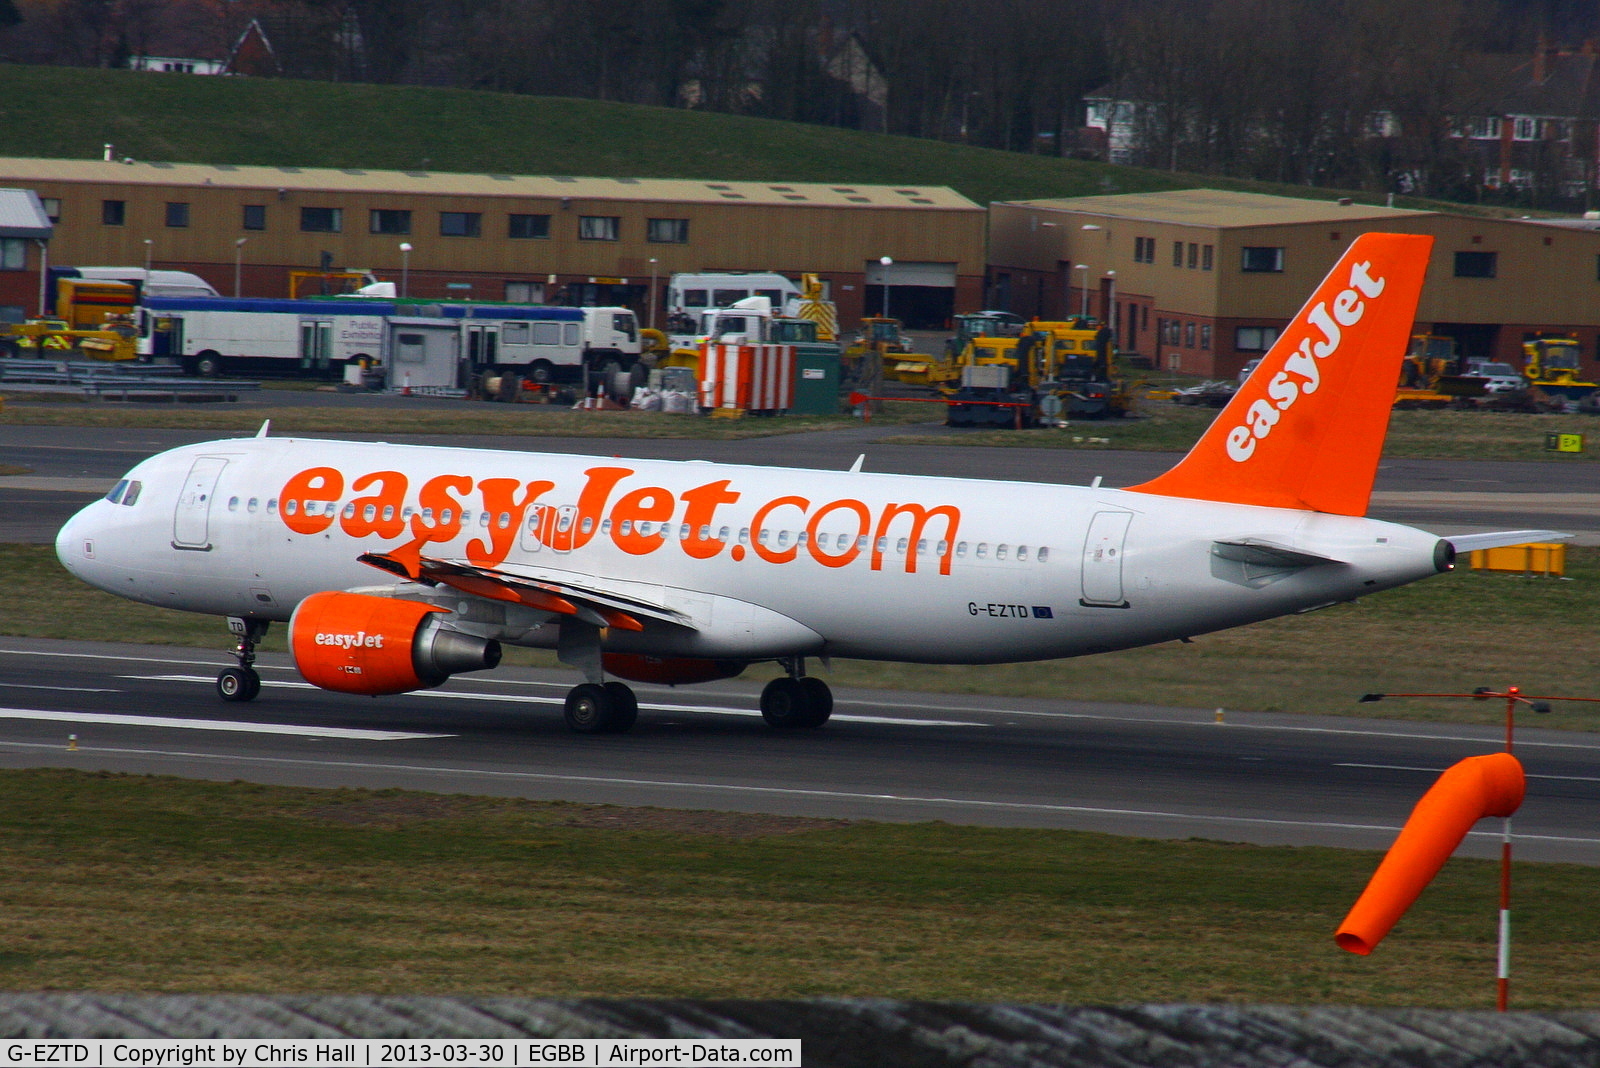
<point>1513,696</point>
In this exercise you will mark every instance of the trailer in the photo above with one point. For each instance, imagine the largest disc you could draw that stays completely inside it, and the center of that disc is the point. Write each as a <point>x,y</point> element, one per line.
<point>217,335</point>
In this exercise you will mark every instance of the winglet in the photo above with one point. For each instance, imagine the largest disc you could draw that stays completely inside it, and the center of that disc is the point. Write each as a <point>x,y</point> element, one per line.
<point>1306,429</point>
<point>266,428</point>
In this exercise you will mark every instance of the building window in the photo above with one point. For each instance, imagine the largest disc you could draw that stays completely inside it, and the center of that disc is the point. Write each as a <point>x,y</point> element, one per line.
<point>1205,336</point>
<point>1475,264</point>
<point>13,253</point>
<point>1177,253</point>
<point>1206,256</point>
<point>177,214</point>
<point>1144,250</point>
<point>668,231</point>
<point>1194,255</point>
<point>1525,129</point>
<point>1254,338</point>
<point>52,208</point>
<point>460,223</point>
<point>1261,258</point>
<point>255,217</point>
<point>1188,335</point>
<point>390,221</point>
<point>113,212</point>
<point>524,227</point>
<point>525,292</point>
<point>322,220</point>
<point>598,227</point>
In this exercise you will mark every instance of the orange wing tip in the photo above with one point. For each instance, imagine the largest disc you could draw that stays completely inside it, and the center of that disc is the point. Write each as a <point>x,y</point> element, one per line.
<point>1477,787</point>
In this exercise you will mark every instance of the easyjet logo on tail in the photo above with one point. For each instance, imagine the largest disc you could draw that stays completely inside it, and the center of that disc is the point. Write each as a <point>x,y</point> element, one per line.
<point>1301,374</point>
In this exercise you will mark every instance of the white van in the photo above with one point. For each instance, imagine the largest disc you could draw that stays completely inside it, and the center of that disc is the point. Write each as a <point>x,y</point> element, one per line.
<point>691,294</point>
<point>151,283</point>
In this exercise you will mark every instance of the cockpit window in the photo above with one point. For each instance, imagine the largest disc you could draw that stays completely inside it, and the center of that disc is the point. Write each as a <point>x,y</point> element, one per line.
<point>115,496</point>
<point>131,497</point>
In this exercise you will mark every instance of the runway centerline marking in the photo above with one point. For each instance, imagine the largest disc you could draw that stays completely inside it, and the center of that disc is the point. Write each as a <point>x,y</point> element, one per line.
<point>113,719</point>
<point>839,795</point>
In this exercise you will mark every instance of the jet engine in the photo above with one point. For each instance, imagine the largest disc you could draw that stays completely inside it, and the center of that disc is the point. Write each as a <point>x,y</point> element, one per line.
<point>357,643</point>
<point>670,671</point>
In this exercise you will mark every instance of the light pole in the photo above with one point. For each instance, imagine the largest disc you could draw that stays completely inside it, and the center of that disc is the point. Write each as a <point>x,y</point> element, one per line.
<point>148,249</point>
<point>238,255</point>
<point>652,292</point>
<point>1111,303</point>
<point>1084,267</point>
<point>887,263</point>
<point>405,268</point>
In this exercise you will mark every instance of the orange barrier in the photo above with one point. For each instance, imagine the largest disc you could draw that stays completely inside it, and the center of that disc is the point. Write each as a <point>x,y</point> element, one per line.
<point>1476,787</point>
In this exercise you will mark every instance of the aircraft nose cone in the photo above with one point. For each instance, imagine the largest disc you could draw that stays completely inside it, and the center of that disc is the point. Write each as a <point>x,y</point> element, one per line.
<point>75,542</point>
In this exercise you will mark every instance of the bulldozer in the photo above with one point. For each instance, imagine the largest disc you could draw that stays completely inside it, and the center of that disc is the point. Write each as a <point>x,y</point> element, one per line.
<point>1056,369</point>
<point>1433,375</point>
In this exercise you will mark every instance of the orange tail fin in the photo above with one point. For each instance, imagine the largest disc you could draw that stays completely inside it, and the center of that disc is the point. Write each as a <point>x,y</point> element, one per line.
<point>1306,428</point>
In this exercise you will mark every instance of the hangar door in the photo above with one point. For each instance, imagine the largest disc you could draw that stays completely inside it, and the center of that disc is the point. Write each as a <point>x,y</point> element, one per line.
<point>921,295</point>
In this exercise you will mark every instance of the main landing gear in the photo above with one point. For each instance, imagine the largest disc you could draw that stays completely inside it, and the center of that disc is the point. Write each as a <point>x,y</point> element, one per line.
<point>796,700</point>
<point>595,706</point>
<point>242,683</point>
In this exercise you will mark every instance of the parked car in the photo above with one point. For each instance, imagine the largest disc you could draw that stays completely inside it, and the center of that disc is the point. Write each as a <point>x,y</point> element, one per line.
<point>1503,378</point>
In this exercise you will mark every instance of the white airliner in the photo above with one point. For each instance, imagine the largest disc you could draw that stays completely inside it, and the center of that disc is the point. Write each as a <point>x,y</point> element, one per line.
<point>397,566</point>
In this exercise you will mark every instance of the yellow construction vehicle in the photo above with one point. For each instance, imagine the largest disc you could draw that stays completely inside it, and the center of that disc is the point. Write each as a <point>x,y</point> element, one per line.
<point>1061,369</point>
<point>93,320</point>
<point>1433,375</point>
<point>1552,366</point>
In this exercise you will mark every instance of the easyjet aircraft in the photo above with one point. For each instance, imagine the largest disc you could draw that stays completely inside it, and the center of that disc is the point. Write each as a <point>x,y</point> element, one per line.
<point>397,566</point>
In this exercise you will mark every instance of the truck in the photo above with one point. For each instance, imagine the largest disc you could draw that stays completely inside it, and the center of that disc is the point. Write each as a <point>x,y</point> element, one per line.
<point>750,320</point>
<point>691,294</point>
<point>1554,365</point>
<point>91,319</point>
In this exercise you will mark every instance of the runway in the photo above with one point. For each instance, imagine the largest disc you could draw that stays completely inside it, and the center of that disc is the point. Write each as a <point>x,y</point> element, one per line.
<point>1121,769</point>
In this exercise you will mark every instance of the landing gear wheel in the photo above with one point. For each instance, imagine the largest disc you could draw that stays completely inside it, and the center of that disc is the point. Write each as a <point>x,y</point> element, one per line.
<point>591,709</point>
<point>238,684</point>
<point>624,707</point>
<point>817,699</point>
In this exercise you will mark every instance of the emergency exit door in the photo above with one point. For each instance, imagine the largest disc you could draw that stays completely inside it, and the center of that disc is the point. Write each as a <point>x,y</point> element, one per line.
<point>1102,560</point>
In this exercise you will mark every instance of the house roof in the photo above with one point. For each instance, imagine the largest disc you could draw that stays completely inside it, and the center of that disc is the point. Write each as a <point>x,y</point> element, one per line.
<point>1220,208</point>
<point>357,180</point>
<point>21,215</point>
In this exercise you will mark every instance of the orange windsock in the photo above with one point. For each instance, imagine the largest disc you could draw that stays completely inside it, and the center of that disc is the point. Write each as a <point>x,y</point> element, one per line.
<point>1477,787</point>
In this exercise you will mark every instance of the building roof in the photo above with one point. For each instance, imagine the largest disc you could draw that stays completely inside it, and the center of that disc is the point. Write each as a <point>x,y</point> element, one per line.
<point>356,180</point>
<point>21,215</point>
<point>1220,208</point>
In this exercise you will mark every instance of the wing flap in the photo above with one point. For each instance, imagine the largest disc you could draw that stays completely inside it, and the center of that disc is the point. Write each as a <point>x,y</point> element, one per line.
<point>588,602</point>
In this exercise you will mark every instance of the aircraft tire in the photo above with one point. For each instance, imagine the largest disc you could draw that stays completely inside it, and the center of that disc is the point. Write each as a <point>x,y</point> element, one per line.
<point>624,707</point>
<point>784,704</point>
<point>817,701</point>
<point>238,684</point>
<point>588,709</point>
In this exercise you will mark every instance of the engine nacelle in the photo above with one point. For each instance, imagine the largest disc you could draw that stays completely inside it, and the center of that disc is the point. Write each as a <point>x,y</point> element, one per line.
<point>356,643</point>
<point>670,671</point>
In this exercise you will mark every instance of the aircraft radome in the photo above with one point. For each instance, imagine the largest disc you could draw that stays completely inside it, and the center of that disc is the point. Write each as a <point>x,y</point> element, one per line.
<point>397,566</point>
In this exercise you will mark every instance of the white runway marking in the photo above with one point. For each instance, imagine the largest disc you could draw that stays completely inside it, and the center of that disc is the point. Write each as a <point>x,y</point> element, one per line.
<point>644,706</point>
<point>349,733</point>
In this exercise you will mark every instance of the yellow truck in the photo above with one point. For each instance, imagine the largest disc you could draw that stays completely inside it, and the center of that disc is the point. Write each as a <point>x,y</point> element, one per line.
<point>94,320</point>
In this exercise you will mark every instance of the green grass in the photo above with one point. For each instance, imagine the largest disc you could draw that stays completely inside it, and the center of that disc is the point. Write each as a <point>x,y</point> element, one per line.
<point>1451,633</point>
<point>126,883</point>
<point>54,112</point>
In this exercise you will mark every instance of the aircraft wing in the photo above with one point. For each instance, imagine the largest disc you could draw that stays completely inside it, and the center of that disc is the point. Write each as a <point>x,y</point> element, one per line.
<point>1466,543</point>
<point>587,599</point>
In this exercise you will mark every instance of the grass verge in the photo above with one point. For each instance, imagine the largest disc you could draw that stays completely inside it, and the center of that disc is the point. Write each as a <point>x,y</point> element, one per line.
<point>126,883</point>
<point>1450,633</point>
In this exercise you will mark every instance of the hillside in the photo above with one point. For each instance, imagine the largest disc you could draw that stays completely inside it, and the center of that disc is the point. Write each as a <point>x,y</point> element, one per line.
<point>62,112</point>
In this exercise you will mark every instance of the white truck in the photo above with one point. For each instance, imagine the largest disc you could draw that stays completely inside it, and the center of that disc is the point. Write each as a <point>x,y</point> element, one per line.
<point>691,294</point>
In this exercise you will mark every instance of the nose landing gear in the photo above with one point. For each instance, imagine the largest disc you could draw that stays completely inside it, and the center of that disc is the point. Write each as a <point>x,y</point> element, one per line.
<point>242,683</point>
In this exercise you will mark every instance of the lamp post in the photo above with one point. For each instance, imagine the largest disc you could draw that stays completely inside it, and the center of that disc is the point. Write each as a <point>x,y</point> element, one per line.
<point>1084,267</point>
<point>148,249</point>
<point>1111,302</point>
<point>405,268</point>
<point>238,255</point>
<point>652,292</point>
<point>887,262</point>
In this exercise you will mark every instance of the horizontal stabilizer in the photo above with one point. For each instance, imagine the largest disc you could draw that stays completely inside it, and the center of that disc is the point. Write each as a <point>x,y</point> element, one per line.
<point>1467,543</point>
<point>1265,554</point>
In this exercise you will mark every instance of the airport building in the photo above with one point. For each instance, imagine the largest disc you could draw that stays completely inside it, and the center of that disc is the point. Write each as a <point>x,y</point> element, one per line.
<point>558,240</point>
<point>1202,280</point>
